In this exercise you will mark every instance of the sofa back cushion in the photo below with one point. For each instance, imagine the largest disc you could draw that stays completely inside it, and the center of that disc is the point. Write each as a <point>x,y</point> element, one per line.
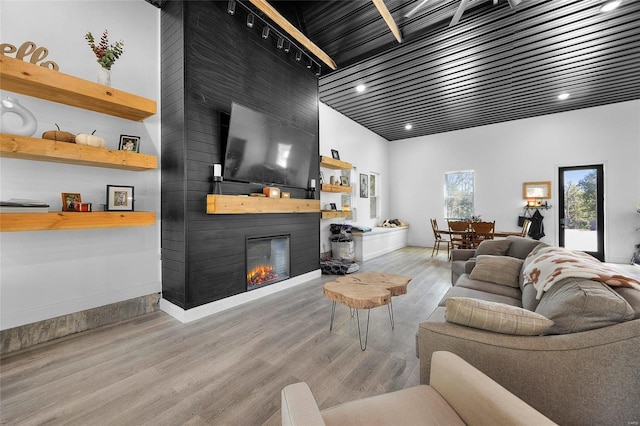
<point>503,270</point>
<point>493,247</point>
<point>632,296</point>
<point>578,304</point>
<point>520,247</point>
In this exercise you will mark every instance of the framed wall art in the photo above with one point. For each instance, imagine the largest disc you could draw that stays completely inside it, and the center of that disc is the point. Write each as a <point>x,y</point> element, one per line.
<point>71,202</point>
<point>536,190</point>
<point>364,185</point>
<point>119,198</point>
<point>129,143</point>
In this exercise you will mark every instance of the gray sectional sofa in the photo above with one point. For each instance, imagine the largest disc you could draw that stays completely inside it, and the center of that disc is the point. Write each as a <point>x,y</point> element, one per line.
<point>584,369</point>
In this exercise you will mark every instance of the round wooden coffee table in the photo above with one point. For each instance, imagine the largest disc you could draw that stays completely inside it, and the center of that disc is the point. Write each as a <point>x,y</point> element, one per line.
<point>365,291</point>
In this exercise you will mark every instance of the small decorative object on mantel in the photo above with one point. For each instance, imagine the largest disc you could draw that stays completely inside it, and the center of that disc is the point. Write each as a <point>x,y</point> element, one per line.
<point>106,54</point>
<point>28,48</point>
<point>129,143</point>
<point>27,127</point>
<point>271,191</point>
<point>285,195</point>
<point>59,135</point>
<point>335,154</point>
<point>91,140</point>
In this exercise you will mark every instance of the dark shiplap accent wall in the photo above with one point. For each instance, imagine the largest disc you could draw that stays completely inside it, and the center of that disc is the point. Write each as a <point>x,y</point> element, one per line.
<point>220,60</point>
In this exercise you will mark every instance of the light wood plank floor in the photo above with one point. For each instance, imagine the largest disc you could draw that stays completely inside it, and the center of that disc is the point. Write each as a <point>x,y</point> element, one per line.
<point>227,368</point>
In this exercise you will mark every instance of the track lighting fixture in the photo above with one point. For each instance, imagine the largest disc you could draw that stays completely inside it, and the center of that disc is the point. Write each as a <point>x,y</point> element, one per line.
<point>231,7</point>
<point>298,55</point>
<point>280,42</point>
<point>250,20</point>
<point>309,64</point>
<point>287,46</point>
<point>265,32</point>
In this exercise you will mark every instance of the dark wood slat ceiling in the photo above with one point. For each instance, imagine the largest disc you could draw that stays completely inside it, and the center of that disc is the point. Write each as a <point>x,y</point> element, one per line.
<point>498,64</point>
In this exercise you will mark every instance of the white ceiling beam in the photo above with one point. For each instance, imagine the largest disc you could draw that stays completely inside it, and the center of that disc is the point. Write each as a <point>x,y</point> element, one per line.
<point>288,27</point>
<point>386,15</point>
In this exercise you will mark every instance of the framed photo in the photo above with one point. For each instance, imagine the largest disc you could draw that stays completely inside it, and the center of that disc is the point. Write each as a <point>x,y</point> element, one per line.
<point>364,186</point>
<point>536,190</point>
<point>129,143</point>
<point>321,177</point>
<point>71,202</point>
<point>333,206</point>
<point>119,198</point>
<point>344,180</point>
<point>335,154</point>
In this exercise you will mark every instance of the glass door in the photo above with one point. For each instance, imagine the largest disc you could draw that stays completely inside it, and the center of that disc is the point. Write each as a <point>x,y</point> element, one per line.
<point>582,209</point>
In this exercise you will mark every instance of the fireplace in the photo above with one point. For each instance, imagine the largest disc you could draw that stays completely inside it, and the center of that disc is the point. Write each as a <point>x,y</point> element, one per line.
<point>267,260</point>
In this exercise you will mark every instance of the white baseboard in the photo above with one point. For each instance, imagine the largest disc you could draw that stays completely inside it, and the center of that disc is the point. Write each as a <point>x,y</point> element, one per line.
<point>202,311</point>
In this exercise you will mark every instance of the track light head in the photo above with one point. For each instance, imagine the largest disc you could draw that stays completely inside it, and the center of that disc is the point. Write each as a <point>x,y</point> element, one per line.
<point>250,20</point>
<point>231,7</point>
<point>280,43</point>
<point>309,64</point>
<point>298,56</point>
<point>287,46</point>
<point>265,32</point>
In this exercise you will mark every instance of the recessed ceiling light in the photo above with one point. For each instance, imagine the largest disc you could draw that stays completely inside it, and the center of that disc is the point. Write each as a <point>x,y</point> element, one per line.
<point>360,88</point>
<point>408,126</point>
<point>563,96</point>
<point>610,5</point>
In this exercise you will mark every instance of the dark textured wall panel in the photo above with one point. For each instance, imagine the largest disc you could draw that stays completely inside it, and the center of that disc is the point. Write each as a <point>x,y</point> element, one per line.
<point>224,62</point>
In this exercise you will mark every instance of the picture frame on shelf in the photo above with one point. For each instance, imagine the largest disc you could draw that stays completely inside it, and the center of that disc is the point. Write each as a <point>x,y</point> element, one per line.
<point>71,202</point>
<point>335,154</point>
<point>344,180</point>
<point>364,185</point>
<point>129,143</point>
<point>119,198</point>
<point>333,206</point>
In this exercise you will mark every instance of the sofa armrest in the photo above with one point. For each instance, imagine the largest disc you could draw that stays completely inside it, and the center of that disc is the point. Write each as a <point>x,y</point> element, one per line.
<point>476,398</point>
<point>299,407</point>
<point>543,370</point>
<point>462,254</point>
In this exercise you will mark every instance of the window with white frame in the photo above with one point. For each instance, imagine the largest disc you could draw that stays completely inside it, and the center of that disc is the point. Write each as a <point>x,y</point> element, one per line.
<point>458,194</point>
<point>374,195</point>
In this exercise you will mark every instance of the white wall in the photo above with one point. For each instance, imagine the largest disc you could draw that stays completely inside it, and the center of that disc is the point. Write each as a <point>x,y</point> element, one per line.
<point>51,273</point>
<point>367,151</point>
<point>505,155</point>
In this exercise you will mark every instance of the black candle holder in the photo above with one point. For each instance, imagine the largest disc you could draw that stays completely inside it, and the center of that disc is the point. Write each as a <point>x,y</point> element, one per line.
<point>217,185</point>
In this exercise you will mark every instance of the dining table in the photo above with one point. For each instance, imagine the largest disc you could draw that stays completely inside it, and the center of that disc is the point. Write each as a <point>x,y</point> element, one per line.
<point>467,235</point>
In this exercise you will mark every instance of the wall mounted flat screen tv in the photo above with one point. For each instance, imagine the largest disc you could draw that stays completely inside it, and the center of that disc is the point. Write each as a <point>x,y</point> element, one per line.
<point>261,149</point>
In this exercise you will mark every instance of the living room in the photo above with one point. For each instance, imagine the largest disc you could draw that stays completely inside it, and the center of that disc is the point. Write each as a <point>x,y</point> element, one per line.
<point>50,274</point>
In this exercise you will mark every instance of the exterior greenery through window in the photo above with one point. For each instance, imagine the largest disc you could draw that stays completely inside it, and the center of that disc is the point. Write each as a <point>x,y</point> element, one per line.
<point>581,202</point>
<point>374,196</point>
<point>458,195</point>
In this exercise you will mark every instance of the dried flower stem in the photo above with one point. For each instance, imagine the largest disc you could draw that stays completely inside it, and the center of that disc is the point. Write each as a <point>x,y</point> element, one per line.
<point>106,53</point>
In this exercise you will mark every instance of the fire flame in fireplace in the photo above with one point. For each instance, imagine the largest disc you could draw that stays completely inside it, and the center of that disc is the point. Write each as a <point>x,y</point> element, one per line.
<point>261,274</point>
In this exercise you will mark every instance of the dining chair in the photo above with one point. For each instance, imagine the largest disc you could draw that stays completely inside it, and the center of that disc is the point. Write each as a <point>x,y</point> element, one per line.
<point>525,227</point>
<point>482,231</point>
<point>439,239</point>
<point>459,233</point>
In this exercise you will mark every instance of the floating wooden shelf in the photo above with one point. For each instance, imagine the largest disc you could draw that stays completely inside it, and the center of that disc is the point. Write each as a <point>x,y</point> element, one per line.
<point>237,204</point>
<point>332,163</point>
<point>33,80</point>
<point>27,148</point>
<point>11,222</point>
<point>326,187</point>
<point>334,214</point>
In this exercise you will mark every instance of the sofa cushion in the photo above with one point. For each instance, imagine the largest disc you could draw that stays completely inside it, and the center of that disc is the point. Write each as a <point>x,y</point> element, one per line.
<point>481,295</point>
<point>489,287</point>
<point>496,317</point>
<point>520,247</point>
<point>632,296</point>
<point>578,304</point>
<point>529,300</point>
<point>493,247</point>
<point>503,270</point>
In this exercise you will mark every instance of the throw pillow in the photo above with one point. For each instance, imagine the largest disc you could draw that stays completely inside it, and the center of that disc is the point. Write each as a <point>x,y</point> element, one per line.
<point>578,304</point>
<point>493,247</point>
<point>493,316</point>
<point>503,270</point>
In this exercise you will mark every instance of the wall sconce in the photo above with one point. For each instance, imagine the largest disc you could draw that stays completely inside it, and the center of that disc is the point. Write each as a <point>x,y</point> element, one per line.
<point>231,7</point>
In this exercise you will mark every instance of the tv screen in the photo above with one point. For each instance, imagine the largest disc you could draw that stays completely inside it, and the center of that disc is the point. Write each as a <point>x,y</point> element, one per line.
<point>261,149</point>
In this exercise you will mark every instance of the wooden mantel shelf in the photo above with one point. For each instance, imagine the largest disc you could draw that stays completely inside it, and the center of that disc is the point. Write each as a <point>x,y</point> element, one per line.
<point>28,148</point>
<point>33,80</point>
<point>332,163</point>
<point>237,204</point>
<point>54,221</point>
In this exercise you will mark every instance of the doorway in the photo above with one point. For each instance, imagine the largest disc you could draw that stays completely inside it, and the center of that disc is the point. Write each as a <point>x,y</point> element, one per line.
<point>581,200</point>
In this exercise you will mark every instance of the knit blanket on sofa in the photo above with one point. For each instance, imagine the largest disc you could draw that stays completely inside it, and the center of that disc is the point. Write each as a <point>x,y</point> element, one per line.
<point>545,266</point>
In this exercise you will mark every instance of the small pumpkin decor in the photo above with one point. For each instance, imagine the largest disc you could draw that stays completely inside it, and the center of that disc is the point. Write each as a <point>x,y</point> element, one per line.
<point>91,140</point>
<point>59,135</point>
